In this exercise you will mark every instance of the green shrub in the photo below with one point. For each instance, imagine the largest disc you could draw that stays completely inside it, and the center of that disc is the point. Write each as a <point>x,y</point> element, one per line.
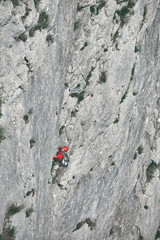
<point>124,11</point>
<point>79,96</point>
<point>15,3</point>
<point>73,113</point>
<point>26,118</point>
<point>29,211</point>
<point>135,93</point>
<point>79,7</point>
<point>131,4</point>
<point>77,25</point>
<point>36,2</point>
<point>2,137</point>
<point>145,12</point>
<point>49,38</point>
<point>100,6</point>
<point>150,170</point>
<point>85,45</point>
<point>61,130</point>
<point>157,233</point>
<point>22,37</point>
<point>9,233</point>
<point>43,21</point>
<point>135,156</point>
<point>87,221</point>
<point>32,31</point>
<point>136,49</point>
<point>115,36</point>
<point>140,149</point>
<point>102,78</point>
<point>92,9</point>
<point>13,209</point>
<point>66,85</point>
<point>32,142</point>
<point>146,207</point>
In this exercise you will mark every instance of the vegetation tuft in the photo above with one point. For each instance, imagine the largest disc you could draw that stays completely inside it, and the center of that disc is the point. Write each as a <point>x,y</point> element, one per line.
<point>79,96</point>
<point>131,4</point>
<point>135,156</point>
<point>88,221</point>
<point>92,9</point>
<point>13,209</point>
<point>43,22</point>
<point>29,211</point>
<point>2,137</point>
<point>103,78</point>
<point>137,49</point>
<point>21,37</point>
<point>151,169</point>
<point>15,3</point>
<point>85,45</point>
<point>9,233</point>
<point>32,142</point>
<point>79,7</point>
<point>61,130</point>
<point>77,25</point>
<point>157,233</point>
<point>73,113</point>
<point>146,207</point>
<point>140,149</point>
<point>115,36</point>
<point>100,6</point>
<point>49,38</point>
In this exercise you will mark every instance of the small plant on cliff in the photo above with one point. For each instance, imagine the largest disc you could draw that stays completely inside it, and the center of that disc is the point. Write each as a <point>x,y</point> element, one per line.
<point>29,211</point>
<point>49,38</point>
<point>21,37</point>
<point>102,78</point>
<point>92,9</point>
<point>32,142</point>
<point>43,22</point>
<point>79,96</point>
<point>87,221</point>
<point>61,130</point>
<point>100,6</point>
<point>2,137</point>
<point>13,209</point>
<point>157,233</point>
<point>77,25</point>
<point>9,233</point>
<point>15,3</point>
<point>151,169</point>
<point>140,149</point>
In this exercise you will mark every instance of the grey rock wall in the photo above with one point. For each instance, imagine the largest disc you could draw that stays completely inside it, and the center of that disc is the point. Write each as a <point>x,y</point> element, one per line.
<point>94,86</point>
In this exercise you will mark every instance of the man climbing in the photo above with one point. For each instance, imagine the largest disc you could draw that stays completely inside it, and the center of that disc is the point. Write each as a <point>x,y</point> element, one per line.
<point>61,159</point>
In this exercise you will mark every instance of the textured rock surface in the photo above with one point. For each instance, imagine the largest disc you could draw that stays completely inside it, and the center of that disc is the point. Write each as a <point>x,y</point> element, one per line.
<point>95,87</point>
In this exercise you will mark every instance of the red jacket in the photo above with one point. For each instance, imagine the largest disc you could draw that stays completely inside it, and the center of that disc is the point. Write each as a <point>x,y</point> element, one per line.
<point>60,154</point>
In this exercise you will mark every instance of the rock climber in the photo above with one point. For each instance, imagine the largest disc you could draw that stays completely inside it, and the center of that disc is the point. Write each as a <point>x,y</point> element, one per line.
<point>61,159</point>
<point>60,156</point>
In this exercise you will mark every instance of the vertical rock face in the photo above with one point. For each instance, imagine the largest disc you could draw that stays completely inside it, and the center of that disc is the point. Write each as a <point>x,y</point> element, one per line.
<point>86,75</point>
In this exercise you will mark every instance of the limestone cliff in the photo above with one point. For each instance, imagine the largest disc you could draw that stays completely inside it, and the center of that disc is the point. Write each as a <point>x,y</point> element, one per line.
<point>84,74</point>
